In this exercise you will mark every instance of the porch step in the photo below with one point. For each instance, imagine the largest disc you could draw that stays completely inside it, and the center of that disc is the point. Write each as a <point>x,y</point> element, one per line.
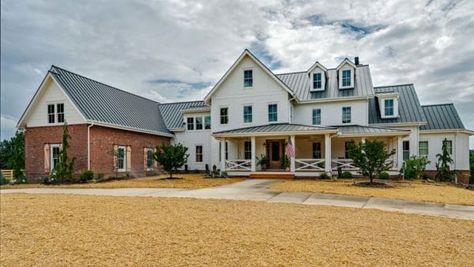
<point>272,175</point>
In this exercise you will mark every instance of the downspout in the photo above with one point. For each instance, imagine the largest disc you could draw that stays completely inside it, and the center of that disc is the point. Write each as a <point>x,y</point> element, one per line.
<point>89,146</point>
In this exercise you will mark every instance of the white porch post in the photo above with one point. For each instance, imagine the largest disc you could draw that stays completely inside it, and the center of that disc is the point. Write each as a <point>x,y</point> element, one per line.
<point>292,159</point>
<point>253,164</point>
<point>327,153</point>
<point>222,155</point>
<point>399,152</point>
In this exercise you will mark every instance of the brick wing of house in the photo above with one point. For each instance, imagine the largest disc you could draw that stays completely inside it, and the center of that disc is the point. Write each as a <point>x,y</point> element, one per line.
<point>249,115</point>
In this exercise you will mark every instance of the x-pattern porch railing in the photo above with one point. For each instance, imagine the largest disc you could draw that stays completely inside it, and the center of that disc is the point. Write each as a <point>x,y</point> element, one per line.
<point>309,164</point>
<point>238,165</point>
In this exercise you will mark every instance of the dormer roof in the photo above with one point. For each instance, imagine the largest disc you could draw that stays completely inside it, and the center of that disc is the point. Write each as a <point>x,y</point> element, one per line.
<point>344,62</point>
<point>317,65</point>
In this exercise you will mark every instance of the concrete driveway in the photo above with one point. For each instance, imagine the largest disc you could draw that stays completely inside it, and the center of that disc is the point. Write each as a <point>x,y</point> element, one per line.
<point>257,190</point>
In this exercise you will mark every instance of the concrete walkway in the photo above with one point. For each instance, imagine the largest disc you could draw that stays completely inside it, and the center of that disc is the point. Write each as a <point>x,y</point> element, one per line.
<point>256,190</point>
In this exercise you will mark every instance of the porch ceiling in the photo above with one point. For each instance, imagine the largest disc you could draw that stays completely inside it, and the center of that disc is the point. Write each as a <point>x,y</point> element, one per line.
<point>276,129</point>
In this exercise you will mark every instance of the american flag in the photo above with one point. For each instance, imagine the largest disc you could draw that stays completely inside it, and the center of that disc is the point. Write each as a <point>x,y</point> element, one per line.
<point>290,149</point>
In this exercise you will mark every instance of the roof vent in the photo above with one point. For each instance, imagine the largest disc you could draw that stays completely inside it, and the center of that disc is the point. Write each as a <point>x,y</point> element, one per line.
<point>356,60</point>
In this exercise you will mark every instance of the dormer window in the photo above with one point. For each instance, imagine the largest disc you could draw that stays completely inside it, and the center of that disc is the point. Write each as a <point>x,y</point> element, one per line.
<point>388,104</point>
<point>317,83</point>
<point>346,78</point>
<point>388,107</point>
<point>248,78</point>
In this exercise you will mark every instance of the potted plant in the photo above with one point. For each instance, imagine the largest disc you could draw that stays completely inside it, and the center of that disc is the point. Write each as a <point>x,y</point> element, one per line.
<point>263,161</point>
<point>285,163</point>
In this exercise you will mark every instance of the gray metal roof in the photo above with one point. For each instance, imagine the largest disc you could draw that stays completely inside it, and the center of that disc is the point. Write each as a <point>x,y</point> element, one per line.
<point>364,130</point>
<point>300,83</point>
<point>441,116</point>
<point>276,127</point>
<point>103,103</point>
<point>409,107</point>
<point>172,112</point>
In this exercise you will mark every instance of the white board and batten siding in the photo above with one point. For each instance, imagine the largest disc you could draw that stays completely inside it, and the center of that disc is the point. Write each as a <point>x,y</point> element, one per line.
<point>51,93</point>
<point>460,143</point>
<point>233,95</point>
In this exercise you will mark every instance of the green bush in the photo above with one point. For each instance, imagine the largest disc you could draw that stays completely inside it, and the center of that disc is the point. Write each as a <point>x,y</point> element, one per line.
<point>324,175</point>
<point>346,175</point>
<point>414,166</point>
<point>384,175</point>
<point>86,176</point>
<point>3,180</point>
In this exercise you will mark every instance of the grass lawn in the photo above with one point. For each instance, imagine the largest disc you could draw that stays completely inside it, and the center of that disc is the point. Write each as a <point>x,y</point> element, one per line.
<point>188,181</point>
<point>55,230</point>
<point>413,190</point>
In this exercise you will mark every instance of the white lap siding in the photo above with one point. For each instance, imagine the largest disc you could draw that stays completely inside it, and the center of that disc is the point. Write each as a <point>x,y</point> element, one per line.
<point>460,143</point>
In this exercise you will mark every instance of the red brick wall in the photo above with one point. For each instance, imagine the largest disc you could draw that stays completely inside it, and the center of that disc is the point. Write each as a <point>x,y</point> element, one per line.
<point>37,137</point>
<point>103,140</point>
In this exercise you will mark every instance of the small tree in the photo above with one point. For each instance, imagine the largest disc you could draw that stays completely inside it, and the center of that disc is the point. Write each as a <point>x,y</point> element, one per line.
<point>64,169</point>
<point>171,157</point>
<point>12,155</point>
<point>444,172</point>
<point>370,157</point>
<point>413,167</point>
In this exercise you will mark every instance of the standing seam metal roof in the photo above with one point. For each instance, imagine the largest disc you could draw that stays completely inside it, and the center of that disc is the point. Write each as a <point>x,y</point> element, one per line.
<point>409,107</point>
<point>172,112</point>
<point>441,116</point>
<point>360,129</point>
<point>103,103</point>
<point>276,127</point>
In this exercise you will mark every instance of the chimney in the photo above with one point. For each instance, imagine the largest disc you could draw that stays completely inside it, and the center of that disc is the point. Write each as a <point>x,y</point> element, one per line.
<point>356,60</point>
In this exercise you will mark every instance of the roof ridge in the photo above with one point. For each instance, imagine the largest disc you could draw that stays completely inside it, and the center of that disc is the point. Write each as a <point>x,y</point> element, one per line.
<point>113,87</point>
<point>180,102</point>
<point>395,85</point>
<point>442,104</point>
<point>292,72</point>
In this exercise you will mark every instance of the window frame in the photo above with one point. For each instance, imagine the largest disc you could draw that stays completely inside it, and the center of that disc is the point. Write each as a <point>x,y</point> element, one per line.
<point>248,116</point>
<point>207,122</point>
<point>272,113</point>
<point>224,119</point>
<point>199,155</point>
<point>405,149</point>
<point>247,150</point>
<point>190,124</point>
<point>248,81</point>
<point>316,116</point>
<point>344,118</point>
<point>148,166</point>
<point>124,167</point>
<point>199,123</point>
<point>420,148</point>
<point>450,147</point>
<point>315,151</point>
<point>315,82</point>
<point>60,115</point>
<point>392,108</point>
<point>51,114</point>
<point>344,79</point>
<point>52,159</point>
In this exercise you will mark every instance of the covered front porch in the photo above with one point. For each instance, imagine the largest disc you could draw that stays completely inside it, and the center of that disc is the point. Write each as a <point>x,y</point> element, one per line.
<point>262,151</point>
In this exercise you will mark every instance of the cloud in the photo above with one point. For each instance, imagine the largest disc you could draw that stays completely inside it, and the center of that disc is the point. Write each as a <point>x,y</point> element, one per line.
<point>176,50</point>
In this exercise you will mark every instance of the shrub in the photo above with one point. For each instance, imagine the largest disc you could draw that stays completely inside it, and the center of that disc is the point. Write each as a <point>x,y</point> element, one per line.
<point>414,166</point>
<point>384,175</point>
<point>346,175</point>
<point>339,172</point>
<point>325,175</point>
<point>3,180</point>
<point>86,176</point>
<point>444,172</point>
<point>171,157</point>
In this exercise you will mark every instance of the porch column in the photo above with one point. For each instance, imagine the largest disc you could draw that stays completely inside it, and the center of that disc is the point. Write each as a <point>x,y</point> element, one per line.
<point>399,152</point>
<point>292,159</point>
<point>253,164</point>
<point>222,155</point>
<point>327,153</point>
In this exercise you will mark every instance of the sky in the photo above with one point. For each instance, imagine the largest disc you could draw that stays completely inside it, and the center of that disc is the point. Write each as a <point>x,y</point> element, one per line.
<point>177,50</point>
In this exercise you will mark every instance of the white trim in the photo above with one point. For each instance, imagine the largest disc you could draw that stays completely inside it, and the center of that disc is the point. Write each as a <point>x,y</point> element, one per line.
<point>232,68</point>
<point>51,160</point>
<point>317,65</point>
<point>243,77</point>
<point>124,169</point>
<point>336,99</point>
<point>442,131</point>
<point>323,82</point>
<point>400,124</point>
<point>259,134</point>
<point>345,61</point>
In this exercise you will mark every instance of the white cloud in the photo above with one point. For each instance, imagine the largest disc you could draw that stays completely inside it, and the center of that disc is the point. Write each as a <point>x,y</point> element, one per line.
<point>128,44</point>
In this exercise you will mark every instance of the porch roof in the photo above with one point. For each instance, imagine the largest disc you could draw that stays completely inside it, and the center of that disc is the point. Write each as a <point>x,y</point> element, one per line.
<point>276,129</point>
<point>359,130</point>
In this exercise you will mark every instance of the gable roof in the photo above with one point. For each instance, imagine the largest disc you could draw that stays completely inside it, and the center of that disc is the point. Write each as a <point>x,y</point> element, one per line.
<point>317,65</point>
<point>236,63</point>
<point>344,62</point>
<point>300,84</point>
<point>441,116</point>
<point>101,103</point>
<point>409,107</point>
<point>173,112</point>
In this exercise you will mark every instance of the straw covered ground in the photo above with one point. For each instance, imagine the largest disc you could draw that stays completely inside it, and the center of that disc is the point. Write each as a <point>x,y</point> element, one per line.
<point>412,190</point>
<point>187,181</point>
<point>53,230</point>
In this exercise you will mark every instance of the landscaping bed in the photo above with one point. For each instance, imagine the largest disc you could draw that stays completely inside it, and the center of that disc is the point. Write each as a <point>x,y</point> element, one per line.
<point>407,190</point>
<point>186,181</point>
<point>55,230</point>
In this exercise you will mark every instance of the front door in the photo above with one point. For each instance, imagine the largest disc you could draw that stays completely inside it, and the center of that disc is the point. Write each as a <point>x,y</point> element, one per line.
<point>275,148</point>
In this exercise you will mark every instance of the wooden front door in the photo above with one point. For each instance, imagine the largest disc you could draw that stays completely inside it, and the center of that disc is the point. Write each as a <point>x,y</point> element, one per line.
<point>275,153</point>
